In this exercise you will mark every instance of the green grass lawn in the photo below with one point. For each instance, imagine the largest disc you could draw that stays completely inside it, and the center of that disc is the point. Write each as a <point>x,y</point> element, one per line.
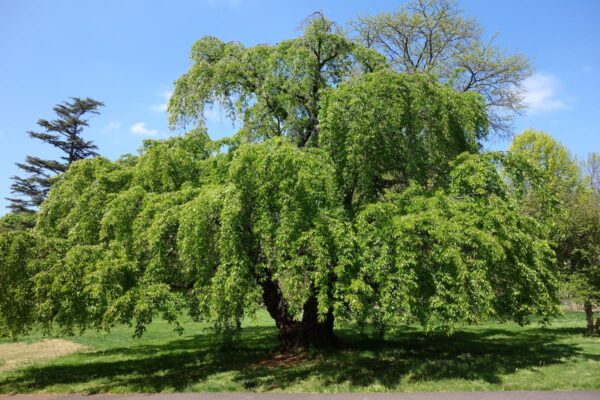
<point>491,356</point>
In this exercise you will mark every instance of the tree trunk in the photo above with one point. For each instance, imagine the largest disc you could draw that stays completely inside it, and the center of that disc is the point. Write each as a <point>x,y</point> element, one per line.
<point>314,332</point>
<point>589,316</point>
<point>297,334</point>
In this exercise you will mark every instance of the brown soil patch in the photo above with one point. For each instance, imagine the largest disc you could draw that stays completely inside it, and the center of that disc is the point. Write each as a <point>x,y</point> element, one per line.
<point>13,355</point>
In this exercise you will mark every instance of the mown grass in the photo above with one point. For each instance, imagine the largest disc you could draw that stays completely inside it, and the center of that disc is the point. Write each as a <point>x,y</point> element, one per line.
<point>491,356</point>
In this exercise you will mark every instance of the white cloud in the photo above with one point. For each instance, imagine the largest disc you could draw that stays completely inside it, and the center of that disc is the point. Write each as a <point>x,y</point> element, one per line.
<point>111,126</point>
<point>587,68</point>
<point>139,128</point>
<point>540,93</point>
<point>162,107</point>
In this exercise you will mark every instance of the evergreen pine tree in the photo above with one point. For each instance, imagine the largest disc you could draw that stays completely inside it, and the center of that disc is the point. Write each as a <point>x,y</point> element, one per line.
<point>65,133</point>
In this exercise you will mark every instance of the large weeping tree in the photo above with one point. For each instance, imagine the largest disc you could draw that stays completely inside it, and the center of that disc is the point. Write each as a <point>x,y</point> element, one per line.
<point>181,228</point>
<point>352,192</point>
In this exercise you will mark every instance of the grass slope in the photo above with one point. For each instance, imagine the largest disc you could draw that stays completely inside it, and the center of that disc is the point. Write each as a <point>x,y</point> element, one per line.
<point>491,356</point>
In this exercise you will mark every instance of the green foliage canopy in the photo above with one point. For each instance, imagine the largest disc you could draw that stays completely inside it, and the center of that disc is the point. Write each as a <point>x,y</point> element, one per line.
<point>118,242</point>
<point>387,129</point>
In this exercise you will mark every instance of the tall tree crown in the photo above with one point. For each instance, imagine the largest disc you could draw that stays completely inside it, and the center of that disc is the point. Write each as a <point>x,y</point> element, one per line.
<point>274,89</point>
<point>561,173</point>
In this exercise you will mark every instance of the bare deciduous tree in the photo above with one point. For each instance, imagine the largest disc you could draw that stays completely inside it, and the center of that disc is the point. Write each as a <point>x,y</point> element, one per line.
<point>432,36</point>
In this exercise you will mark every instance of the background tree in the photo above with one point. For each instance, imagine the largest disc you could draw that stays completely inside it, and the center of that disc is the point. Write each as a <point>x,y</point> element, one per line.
<point>591,168</point>
<point>64,133</point>
<point>581,245</point>
<point>579,251</point>
<point>556,171</point>
<point>574,220</point>
<point>432,36</point>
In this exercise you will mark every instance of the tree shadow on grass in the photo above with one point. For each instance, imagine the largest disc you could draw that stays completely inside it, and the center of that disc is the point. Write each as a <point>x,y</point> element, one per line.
<point>483,354</point>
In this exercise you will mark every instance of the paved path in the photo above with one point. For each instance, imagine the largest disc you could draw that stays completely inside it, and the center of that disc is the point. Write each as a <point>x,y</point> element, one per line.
<point>338,396</point>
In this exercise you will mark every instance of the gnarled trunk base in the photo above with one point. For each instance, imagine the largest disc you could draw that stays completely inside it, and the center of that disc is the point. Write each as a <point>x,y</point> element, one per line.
<point>309,332</point>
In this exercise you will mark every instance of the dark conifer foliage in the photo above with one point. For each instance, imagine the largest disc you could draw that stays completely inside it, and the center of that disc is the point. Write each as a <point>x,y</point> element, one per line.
<point>65,133</point>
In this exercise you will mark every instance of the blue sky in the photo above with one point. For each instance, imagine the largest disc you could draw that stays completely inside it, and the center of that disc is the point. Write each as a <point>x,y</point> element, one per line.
<point>127,53</point>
